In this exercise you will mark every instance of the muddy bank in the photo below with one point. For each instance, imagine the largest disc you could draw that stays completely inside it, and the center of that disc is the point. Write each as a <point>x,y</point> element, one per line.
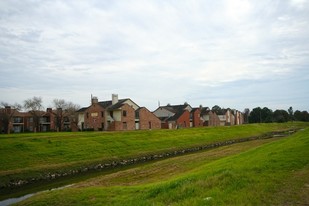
<point>104,166</point>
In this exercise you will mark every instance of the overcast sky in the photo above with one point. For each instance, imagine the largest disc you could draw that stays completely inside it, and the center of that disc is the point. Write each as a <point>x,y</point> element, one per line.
<point>233,53</point>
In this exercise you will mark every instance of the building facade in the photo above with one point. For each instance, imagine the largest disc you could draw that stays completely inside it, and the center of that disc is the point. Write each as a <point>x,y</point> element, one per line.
<point>116,115</point>
<point>13,121</point>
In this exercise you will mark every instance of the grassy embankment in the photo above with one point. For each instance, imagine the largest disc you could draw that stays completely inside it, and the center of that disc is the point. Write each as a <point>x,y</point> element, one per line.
<point>264,172</point>
<point>28,155</point>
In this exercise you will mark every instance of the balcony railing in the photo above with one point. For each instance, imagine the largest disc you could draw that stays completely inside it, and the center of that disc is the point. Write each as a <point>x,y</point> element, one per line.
<point>44,121</point>
<point>17,120</point>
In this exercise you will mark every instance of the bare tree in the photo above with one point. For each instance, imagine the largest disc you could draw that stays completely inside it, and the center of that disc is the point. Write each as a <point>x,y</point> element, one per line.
<point>66,111</point>
<point>7,112</point>
<point>71,112</point>
<point>34,105</point>
<point>59,104</point>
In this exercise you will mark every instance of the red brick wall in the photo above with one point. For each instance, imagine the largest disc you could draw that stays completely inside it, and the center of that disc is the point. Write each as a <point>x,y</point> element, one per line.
<point>184,120</point>
<point>197,122</point>
<point>91,121</point>
<point>213,120</point>
<point>148,120</point>
<point>129,119</point>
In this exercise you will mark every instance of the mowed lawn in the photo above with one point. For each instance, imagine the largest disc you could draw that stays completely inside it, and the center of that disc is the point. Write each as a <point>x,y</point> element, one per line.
<point>27,155</point>
<point>261,172</point>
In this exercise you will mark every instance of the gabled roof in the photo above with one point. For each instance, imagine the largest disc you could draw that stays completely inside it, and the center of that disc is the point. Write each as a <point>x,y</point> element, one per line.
<point>205,110</point>
<point>177,115</point>
<point>117,105</point>
<point>175,108</point>
<point>194,109</point>
<point>108,104</point>
<point>82,109</point>
<point>177,111</point>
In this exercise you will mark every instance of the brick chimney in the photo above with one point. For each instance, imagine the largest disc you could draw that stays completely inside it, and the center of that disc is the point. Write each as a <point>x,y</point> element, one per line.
<point>8,109</point>
<point>114,99</point>
<point>94,100</point>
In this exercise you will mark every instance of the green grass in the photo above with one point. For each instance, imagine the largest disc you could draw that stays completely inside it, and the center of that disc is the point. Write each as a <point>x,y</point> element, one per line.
<point>28,155</point>
<point>262,172</point>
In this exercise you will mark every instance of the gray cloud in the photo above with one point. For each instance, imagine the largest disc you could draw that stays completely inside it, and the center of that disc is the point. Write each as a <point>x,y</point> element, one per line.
<point>156,50</point>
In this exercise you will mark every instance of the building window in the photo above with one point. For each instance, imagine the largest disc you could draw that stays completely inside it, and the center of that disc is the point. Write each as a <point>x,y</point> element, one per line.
<point>136,115</point>
<point>124,113</point>
<point>31,119</point>
<point>94,114</point>
<point>87,115</point>
<point>102,114</point>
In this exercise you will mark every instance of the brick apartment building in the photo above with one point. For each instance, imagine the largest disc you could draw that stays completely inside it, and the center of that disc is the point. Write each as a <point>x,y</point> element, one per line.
<point>116,115</point>
<point>15,121</point>
<point>226,117</point>
<point>178,116</point>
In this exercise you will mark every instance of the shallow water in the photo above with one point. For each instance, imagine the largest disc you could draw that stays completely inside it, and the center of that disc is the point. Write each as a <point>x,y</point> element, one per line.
<point>19,199</point>
<point>14,200</point>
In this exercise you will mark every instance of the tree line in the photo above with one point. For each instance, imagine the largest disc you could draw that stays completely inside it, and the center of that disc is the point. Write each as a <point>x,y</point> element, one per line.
<point>64,109</point>
<point>266,115</point>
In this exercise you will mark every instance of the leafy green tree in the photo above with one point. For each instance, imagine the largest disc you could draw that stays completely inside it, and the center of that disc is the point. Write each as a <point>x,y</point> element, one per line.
<point>258,115</point>
<point>255,115</point>
<point>281,116</point>
<point>267,115</point>
<point>297,115</point>
<point>305,116</point>
<point>301,116</point>
<point>217,110</point>
<point>291,113</point>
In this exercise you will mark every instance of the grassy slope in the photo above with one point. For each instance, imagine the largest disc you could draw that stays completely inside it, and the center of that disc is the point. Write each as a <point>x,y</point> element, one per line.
<point>273,174</point>
<point>27,155</point>
<point>57,148</point>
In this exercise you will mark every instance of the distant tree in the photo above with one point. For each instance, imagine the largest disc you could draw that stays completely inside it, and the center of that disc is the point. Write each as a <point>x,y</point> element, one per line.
<point>267,115</point>
<point>297,115</point>
<point>217,109</point>
<point>246,115</point>
<point>34,106</point>
<point>281,116</point>
<point>255,115</point>
<point>291,113</point>
<point>305,116</point>
<point>59,104</point>
<point>71,112</point>
<point>258,115</point>
<point>65,110</point>
<point>7,112</point>
<point>301,116</point>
